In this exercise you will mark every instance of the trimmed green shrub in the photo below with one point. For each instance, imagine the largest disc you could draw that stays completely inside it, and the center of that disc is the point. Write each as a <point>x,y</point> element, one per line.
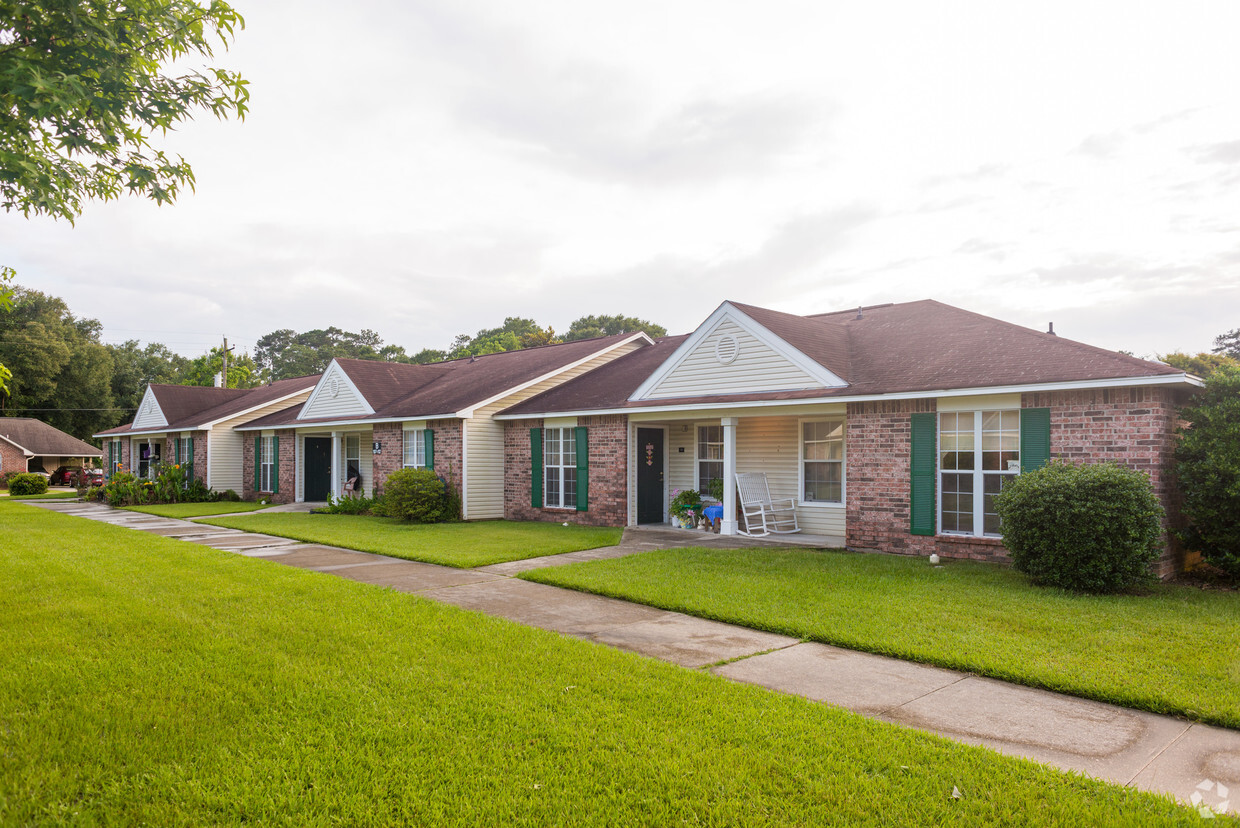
<point>27,484</point>
<point>1092,528</point>
<point>1208,470</point>
<point>357,505</point>
<point>228,496</point>
<point>416,495</point>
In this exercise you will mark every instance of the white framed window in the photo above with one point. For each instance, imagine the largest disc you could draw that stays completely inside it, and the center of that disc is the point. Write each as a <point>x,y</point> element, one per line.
<point>709,455</point>
<point>267,464</point>
<point>822,461</point>
<point>352,456</point>
<point>185,450</point>
<point>560,468</point>
<point>979,451</point>
<point>414,453</point>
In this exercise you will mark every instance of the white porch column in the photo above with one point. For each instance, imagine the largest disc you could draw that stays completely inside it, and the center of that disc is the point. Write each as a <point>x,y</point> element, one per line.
<point>335,486</point>
<point>728,525</point>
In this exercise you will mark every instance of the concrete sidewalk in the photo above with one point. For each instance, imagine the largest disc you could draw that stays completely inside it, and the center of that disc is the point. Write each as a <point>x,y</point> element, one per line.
<point>1128,747</point>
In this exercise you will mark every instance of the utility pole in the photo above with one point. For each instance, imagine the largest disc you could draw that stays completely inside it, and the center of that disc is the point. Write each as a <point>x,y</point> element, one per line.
<point>226,350</point>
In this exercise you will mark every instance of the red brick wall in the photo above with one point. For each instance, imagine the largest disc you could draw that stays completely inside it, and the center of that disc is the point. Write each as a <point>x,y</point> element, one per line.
<point>388,460</point>
<point>608,489</point>
<point>1131,426</point>
<point>11,458</point>
<point>285,467</point>
<point>877,443</point>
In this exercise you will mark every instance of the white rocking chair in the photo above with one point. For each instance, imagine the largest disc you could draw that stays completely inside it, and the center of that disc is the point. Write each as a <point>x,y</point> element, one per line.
<point>764,516</point>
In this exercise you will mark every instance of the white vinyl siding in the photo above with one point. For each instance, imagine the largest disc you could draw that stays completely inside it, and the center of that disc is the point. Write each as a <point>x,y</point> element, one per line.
<point>334,396</point>
<point>757,367</point>
<point>763,444</point>
<point>150,415</point>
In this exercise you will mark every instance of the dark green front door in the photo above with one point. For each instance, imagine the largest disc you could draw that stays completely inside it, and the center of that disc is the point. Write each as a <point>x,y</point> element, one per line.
<point>318,468</point>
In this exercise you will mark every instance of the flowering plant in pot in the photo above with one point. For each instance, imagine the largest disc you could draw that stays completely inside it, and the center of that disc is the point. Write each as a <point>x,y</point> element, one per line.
<point>685,507</point>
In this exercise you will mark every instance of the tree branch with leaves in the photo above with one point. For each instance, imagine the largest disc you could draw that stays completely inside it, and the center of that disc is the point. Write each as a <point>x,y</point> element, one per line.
<point>83,89</point>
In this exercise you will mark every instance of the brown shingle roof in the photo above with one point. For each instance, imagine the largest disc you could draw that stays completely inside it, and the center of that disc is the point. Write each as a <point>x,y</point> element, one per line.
<point>190,406</point>
<point>41,439</point>
<point>898,348</point>
<point>397,390</point>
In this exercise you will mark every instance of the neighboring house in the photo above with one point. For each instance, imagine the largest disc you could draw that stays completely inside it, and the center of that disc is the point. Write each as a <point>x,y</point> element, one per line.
<point>32,445</point>
<point>366,419</point>
<point>194,425</point>
<point>892,426</point>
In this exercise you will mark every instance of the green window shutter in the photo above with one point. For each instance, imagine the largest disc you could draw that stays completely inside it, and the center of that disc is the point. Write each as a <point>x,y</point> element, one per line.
<point>176,450</point>
<point>536,468</point>
<point>258,462</point>
<point>428,442</point>
<point>1035,438</point>
<point>275,465</point>
<point>921,473</point>
<point>583,469</point>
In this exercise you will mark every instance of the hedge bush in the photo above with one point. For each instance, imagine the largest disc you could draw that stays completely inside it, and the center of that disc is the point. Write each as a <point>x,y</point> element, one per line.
<point>416,495</point>
<point>27,484</point>
<point>1208,470</point>
<point>1091,528</point>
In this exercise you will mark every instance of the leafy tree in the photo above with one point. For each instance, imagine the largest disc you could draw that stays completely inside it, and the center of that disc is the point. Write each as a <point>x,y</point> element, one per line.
<point>1208,469</point>
<point>83,88</point>
<point>1202,365</point>
<point>6,304</point>
<point>1228,344</point>
<point>589,327</point>
<point>516,333</point>
<point>242,370</point>
<point>135,367</point>
<point>59,367</point>
<point>428,355</point>
<point>285,353</point>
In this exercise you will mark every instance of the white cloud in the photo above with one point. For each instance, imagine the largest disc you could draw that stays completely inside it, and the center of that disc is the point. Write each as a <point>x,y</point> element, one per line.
<point>427,168</point>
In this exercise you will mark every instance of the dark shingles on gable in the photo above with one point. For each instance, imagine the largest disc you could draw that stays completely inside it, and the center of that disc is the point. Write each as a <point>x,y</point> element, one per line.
<point>44,440</point>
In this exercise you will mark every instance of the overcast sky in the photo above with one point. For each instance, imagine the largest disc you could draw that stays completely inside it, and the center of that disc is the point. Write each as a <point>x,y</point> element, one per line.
<point>425,169</point>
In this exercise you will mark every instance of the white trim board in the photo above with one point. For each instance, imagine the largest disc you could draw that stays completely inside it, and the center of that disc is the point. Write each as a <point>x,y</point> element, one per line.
<point>1073,385</point>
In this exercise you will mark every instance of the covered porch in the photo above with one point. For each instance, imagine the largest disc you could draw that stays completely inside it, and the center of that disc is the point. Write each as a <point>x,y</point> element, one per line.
<point>800,450</point>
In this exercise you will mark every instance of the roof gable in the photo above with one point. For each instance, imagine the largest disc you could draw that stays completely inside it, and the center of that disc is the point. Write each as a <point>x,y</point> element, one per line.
<point>335,395</point>
<point>37,438</point>
<point>732,353</point>
<point>150,412</point>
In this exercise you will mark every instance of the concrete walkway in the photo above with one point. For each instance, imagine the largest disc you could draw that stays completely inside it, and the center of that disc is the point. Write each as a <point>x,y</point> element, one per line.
<point>1193,762</point>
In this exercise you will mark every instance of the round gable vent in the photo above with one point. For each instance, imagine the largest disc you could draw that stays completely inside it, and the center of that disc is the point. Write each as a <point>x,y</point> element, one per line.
<point>727,349</point>
<point>333,386</point>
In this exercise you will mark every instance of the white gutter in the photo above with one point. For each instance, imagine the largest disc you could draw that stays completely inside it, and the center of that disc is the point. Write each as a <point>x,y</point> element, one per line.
<point>1123,382</point>
<point>349,422</point>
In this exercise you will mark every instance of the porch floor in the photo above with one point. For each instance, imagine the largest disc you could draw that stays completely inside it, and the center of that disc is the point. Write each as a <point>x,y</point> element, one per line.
<point>663,535</point>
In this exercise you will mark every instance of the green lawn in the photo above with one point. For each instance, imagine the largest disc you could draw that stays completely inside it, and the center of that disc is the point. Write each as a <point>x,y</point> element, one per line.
<point>188,510</point>
<point>452,544</point>
<point>144,680</point>
<point>1172,651</point>
<point>44,496</point>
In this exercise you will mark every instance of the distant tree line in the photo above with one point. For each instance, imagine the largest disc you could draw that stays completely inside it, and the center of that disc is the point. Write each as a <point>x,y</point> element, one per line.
<point>64,375</point>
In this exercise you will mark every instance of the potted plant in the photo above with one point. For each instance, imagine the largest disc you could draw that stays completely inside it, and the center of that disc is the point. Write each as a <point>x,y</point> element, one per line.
<point>685,507</point>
